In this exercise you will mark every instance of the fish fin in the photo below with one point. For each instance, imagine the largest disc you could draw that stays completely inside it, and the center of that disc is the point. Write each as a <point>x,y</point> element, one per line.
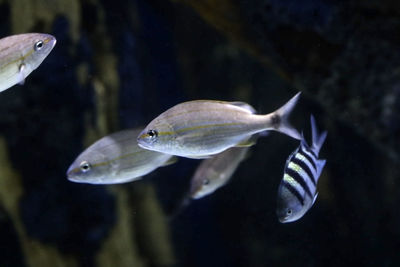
<point>320,165</point>
<point>317,139</point>
<point>21,73</point>
<point>170,161</point>
<point>246,143</point>
<point>315,198</point>
<point>244,105</point>
<point>304,143</point>
<point>280,118</point>
<point>199,156</point>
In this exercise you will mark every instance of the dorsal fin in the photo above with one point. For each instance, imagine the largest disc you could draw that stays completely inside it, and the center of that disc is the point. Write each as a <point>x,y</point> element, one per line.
<point>244,106</point>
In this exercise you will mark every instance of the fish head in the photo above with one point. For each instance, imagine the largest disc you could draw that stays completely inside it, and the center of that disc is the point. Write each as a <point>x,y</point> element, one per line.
<point>200,188</point>
<point>90,167</point>
<point>158,136</point>
<point>37,48</point>
<point>205,184</point>
<point>289,208</point>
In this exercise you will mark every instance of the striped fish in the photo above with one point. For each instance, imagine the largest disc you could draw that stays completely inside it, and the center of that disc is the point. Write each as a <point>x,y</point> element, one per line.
<point>21,54</point>
<point>298,189</point>
<point>116,158</point>
<point>202,128</point>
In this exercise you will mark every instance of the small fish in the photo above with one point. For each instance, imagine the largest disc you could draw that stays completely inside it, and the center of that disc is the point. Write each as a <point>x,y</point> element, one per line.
<point>21,54</point>
<point>202,128</point>
<point>298,189</point>
<point>215,172</point>
<point>114,159</point>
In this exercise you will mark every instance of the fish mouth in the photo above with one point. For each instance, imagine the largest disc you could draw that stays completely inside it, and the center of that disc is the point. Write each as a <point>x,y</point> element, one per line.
<point>71,170</point>
<point>141,140</point>
<point>282,216</point>
<point>198,193</point>
<point>283,219</point>
<point>70,174</point>
<point>73,179</point>
<point>51,40</point>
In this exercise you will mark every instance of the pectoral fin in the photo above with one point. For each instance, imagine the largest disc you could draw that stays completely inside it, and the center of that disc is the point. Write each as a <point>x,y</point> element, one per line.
<point>21,73</point>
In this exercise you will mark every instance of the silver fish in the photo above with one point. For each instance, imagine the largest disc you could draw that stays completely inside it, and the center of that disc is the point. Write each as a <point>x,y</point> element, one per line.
<point>21,54</point>
<point>199,129</point>
<point>215,172</point>
<point>298,189</point>
<point>114,159</point>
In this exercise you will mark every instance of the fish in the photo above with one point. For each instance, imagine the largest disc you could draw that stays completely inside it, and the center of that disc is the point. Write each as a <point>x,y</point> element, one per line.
<point>297,191</point>
<point>215,172</point>
<point>114,159</point>
<point>20,54</point>
<point>202,128</point>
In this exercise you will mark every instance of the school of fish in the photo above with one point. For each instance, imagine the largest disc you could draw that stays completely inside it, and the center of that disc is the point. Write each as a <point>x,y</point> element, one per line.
<point>221,133</point>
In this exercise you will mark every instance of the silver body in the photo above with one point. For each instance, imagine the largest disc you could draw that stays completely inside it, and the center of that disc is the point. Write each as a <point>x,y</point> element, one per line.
<point>215,172</point>
<point>298,189</point>
<point>114,159</point>
<point>21,54</point>
<point>202,128</point>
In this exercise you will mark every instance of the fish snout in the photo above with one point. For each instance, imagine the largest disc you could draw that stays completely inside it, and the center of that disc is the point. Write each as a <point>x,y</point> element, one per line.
<point>73,172</point>
<point>51,40</point>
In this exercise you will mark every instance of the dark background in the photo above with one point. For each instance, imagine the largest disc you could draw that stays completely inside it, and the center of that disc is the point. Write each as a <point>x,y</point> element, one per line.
<point>118,64</point>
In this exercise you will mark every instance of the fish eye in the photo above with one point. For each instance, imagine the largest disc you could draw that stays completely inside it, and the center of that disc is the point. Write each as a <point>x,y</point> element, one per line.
<point>85,166</point>
<point>206,182</point>
<point>289,212</point>
<point>152,133</point>
<point>38,45</point>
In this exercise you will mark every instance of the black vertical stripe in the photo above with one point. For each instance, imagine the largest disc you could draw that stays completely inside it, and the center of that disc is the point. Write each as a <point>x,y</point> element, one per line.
<point>309,150</point>
<point>305,167</point>
<point>295,175</point>
<point>309,158</point>
<point>293,191</point>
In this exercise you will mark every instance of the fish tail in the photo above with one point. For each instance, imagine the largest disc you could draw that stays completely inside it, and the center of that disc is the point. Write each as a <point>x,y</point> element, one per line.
<point>317,139</point>
<point>280,118</point>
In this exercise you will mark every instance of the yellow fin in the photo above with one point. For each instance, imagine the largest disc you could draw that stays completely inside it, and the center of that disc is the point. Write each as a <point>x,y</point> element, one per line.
<point>246,143</point>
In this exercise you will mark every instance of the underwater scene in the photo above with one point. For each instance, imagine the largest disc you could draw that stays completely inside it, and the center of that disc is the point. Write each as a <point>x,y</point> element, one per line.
<point>180,133</point>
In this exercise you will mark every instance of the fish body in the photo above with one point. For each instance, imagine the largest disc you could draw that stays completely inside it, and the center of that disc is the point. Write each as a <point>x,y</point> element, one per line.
<point>215,172</point>
<point>21,54</point>
<point>297,191</point>
<point>114,159</point>
<point>202,128</point>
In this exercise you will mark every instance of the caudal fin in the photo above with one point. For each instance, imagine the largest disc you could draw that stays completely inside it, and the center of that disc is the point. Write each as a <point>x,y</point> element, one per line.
<point>280,118</point>
<point>317,139</point>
